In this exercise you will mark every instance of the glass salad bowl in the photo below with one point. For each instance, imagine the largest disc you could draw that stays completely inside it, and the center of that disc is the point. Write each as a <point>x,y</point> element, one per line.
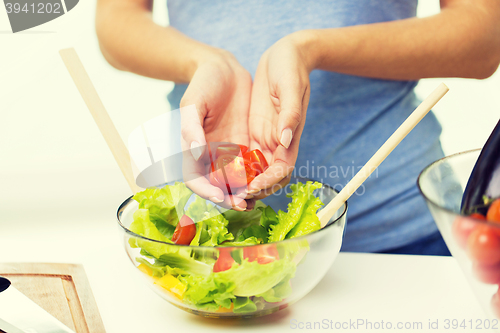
<point>235,281</point>
<point>474,242</point>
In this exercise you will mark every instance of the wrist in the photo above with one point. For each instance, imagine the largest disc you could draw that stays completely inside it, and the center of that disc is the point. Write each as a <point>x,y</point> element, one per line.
<point>307,44</point>
<point>210,55</point>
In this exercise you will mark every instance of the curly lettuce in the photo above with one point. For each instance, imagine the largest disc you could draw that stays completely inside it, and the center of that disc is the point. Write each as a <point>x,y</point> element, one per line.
<point>300,213</point>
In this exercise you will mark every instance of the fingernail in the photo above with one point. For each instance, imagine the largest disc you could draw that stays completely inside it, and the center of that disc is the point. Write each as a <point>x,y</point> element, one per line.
<point>252,191</point>
<point>196,150</point>
<point>286,138</point>
<point>239,209</point>
<point>216,200</point>
<point>242,195</point>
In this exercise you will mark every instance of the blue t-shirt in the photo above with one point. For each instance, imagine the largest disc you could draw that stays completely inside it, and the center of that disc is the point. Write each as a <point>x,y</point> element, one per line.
<point>348,118</point>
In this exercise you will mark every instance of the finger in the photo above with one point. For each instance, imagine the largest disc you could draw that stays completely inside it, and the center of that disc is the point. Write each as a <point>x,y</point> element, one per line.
<point>231,201</point>
<point>273,189</point>
<point>194,176</point>
<point>273,175</point>
<point>250,205</point>
<point>192,133</point>
<point>291,111</point>
<point>243,194</point>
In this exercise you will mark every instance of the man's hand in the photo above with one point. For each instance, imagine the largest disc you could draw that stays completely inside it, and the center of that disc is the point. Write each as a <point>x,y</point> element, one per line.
<point>280,96</point>
<point>220,91</point>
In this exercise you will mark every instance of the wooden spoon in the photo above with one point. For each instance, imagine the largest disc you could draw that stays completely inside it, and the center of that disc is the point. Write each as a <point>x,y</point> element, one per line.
<point>100,115</point>
<point>329,210</point>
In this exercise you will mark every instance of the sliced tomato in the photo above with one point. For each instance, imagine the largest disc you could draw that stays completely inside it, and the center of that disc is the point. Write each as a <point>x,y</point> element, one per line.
<point>230,149</point>
<point>493,214</point>
<point>232,170</point>
<point>184,231</point>
<point>483,245</point>
<point>251,173</point>
<point>256,160</point>
<point>263,254</point>
<point>224,261</point>
<point>235,167</point>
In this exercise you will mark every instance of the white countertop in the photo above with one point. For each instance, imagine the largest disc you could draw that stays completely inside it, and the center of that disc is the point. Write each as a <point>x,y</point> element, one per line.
<point>369,287</point>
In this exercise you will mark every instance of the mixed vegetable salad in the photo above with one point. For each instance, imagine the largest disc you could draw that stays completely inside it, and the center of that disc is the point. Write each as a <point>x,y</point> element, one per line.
<point>229,278</point>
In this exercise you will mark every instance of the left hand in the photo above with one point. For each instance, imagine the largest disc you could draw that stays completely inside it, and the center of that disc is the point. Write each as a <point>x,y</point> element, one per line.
<point>280,96</point>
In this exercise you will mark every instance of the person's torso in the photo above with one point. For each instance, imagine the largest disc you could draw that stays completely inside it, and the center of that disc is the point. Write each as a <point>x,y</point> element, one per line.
<point>348,118</point>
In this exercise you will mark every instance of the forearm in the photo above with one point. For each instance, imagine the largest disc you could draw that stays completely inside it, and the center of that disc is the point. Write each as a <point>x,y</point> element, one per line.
<point>461,41</point>
<point>131,41</point>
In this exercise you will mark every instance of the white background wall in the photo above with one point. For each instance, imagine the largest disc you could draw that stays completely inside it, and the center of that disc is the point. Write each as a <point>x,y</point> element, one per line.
<point>54,164</point>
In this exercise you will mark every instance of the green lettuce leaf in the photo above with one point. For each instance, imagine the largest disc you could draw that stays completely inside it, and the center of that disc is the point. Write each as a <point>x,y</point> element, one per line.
<point>217,230</point>
<point>164,205</point>
<point>241,220</point>
<point>252,278</point>
<point>185,264</point>
<point>279,292</point>
<point>158,270</point>
<point>208,293</point>
<point>309,221</point>
<point>199,208</point>
<point>142,225</point>
<point>302,196</point>
<point>244,305</point>
<point>211,226</point>
<point>254,231</point>
<point>268,217</point>
<point>248,241</point>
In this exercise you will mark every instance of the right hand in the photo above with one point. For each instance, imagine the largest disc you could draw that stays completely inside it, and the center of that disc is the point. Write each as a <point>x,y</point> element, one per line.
<point>220,89</point>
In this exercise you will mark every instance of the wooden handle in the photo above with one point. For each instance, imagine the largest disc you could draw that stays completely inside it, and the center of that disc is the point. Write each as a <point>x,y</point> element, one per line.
<point>101,117</point>
<point>326,213</point>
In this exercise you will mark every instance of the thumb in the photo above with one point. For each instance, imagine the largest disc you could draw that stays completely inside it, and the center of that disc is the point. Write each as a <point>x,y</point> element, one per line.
<point>291,114</point>
<point>193,135</point>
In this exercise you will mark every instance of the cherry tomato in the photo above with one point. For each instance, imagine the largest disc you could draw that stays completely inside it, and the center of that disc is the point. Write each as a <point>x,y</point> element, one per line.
<point>483,245</point>
<point>264,254</point>
<point>463,226</point>
<point>495,304</point>
<point>235,167</point>
<point>256,160</point>
<point>185,231</point>
<point>230,149</point>
<point>224,262</point>
<point>493,214</point>
<point>487,273</point>
<point>232,170</point>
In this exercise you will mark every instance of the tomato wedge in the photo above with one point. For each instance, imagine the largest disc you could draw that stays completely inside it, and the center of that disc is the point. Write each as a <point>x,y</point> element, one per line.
<point>230,149</point>
<point>224,262</point>
<point>235,167</point>
<point>493,214</point>
<point>232,170</point>
<point>185,231</point>
<point>263,254</point>
<point>256,160</point>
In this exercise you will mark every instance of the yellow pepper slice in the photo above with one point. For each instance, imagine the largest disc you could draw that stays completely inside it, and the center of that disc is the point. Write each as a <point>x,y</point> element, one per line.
<point>172,284</point>
<point>145,269</point>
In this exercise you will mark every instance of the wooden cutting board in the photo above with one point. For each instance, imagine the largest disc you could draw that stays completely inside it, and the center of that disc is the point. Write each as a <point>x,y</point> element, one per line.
<point>61,289</point>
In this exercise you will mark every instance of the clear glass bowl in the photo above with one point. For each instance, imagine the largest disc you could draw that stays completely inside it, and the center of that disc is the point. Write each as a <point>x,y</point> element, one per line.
<point>313,255</point>
<point>475,243</point>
